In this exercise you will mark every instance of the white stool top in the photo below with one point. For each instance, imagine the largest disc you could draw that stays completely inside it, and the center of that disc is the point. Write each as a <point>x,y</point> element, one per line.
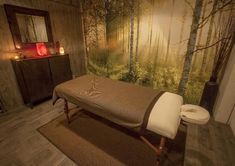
<point>194,114</point>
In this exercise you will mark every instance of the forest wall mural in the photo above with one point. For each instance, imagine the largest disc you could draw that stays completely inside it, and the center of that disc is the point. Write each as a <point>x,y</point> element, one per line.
<point>164,44</point>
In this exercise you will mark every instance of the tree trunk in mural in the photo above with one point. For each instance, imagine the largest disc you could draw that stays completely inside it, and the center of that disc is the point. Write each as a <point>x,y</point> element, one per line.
<point>123,38</point>
<point>151,28</point>
<point>169,32</point>
<point>123,30</point>
<point>107,23</point>
<point>84,34</point>
<point>128,39</point>
<point>190,47</point>
<point>138,30</point>
<point>182,33</point>
<point>131,67</point>
<point>199,39</point>
<point>209,35</point>
<point>156,55</point>
<point>96,31</point>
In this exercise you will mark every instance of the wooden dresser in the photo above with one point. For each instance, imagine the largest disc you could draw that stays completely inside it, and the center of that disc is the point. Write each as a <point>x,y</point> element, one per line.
<point>37,77</point>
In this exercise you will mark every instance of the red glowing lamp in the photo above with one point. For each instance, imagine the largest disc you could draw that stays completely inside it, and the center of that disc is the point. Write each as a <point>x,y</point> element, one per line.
<point>41,49</point>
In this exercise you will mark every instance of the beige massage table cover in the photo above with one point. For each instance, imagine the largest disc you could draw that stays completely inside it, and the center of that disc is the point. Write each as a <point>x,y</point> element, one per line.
<point>123,103</point>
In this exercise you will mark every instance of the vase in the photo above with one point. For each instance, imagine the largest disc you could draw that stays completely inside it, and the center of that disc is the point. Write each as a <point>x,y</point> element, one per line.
<point>209,95</point>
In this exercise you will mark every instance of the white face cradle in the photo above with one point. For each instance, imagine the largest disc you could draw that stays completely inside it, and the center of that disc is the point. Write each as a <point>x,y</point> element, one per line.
<point>165,116</point>
<point>194,114</point>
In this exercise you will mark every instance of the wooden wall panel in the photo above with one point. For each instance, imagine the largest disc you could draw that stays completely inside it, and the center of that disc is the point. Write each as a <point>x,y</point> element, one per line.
<point>66,28</point>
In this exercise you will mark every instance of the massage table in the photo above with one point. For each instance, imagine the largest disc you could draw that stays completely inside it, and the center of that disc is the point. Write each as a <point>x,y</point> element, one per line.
<point>138,108</point>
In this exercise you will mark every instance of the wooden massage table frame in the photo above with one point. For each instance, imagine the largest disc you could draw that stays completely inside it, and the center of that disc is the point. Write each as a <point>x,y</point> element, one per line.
<point>160,149</point>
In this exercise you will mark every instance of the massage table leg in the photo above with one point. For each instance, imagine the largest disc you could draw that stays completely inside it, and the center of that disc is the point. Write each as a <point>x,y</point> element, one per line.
<point>66,110</point>
<point>159,150</point>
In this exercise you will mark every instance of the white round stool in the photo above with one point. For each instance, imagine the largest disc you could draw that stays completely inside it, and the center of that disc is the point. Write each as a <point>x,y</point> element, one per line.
<point>194,114</point>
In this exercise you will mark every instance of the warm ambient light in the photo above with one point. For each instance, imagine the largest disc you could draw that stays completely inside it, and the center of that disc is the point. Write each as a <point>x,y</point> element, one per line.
<point>18,47</point>
<point>16,57</point>
<point>61,50</point>
<point>41,49</point>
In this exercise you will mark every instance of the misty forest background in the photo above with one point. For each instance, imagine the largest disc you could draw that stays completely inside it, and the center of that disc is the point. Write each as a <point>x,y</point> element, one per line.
<point>164,44</point>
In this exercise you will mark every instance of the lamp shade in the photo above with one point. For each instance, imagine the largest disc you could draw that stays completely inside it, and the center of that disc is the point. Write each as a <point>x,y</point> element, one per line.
<point>41,49</point>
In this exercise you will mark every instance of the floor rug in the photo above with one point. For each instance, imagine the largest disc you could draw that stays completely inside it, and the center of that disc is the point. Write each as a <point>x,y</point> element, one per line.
<point>92,141</point>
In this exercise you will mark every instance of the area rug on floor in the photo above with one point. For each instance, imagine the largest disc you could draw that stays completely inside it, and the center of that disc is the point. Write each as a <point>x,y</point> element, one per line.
<point>90,140</point>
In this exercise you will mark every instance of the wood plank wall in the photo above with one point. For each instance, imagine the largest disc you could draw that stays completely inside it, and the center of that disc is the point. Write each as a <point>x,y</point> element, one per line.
<point>66,27</point>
